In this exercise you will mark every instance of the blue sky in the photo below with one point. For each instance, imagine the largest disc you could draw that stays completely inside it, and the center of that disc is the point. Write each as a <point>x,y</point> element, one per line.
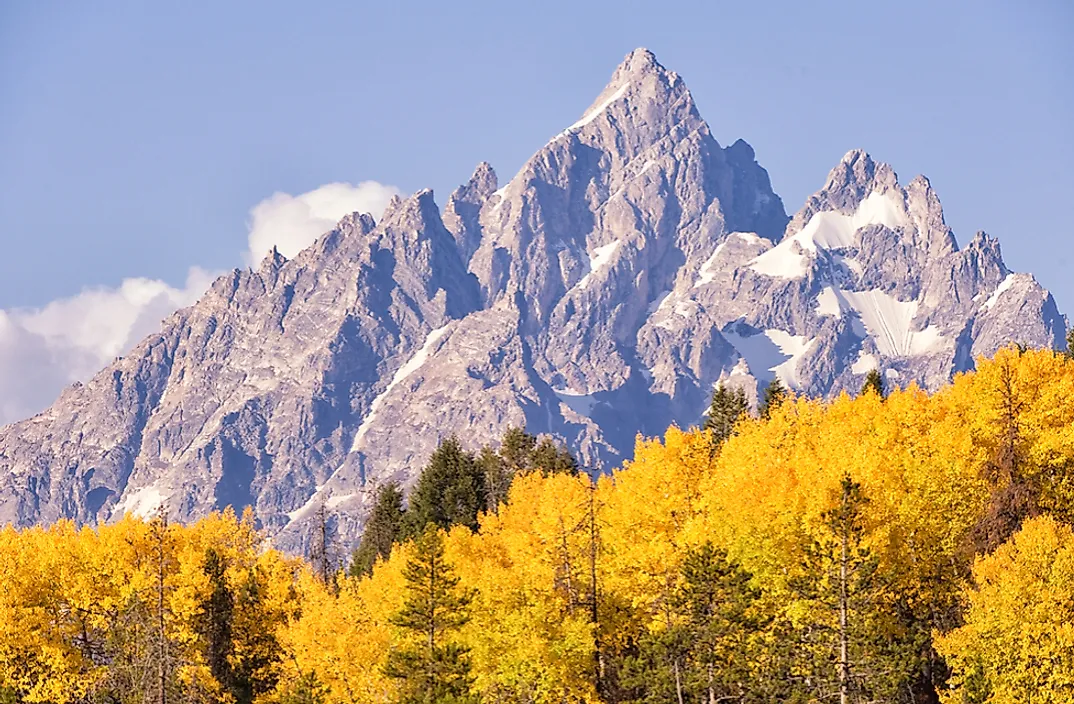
<point>135,137</point>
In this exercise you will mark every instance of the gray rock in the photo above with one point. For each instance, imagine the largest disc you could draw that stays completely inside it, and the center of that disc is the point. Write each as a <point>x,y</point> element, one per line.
<point>631,264</point>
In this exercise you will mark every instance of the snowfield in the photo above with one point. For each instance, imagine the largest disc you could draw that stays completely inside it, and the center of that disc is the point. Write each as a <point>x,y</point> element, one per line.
<point>829,230</point>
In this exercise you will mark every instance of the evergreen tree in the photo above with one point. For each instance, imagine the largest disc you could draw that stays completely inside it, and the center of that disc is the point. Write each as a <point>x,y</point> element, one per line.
<point>773,397</point>
<point>520,452</point>
<point>708,650</point>
<point>215,620</point>
<point>382,530</point>
<point>516,449</point>
<point>727,407</point>
<point>451,490</point>
<point>255,651</point>
<point>550,458</point>
<point>498,477</point>
<point>431,667</point>
<point>1070,343</point>
<point>873,382</point>
<point>855,646</point>
<point>239,651</point>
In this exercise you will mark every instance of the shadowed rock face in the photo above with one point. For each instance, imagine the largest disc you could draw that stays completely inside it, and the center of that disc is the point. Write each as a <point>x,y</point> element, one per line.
<point>600,293</point>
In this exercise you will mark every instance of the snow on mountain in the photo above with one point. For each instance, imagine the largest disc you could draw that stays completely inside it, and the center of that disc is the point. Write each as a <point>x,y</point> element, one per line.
<point>601,292</point>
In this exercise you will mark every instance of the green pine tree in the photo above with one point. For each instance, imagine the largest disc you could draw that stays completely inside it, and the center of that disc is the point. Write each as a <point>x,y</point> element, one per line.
<point>856,647</point>
<point>383,529</point>
<point>215,619</point>
<point>727,408</point>
<point>773,397</point>
<point>451,490</point>
<point>516,449</point>
<point>1070,343</point>
<point>520,452</point>
<point>709,650</point>
<point>255,650</point>
<point>431,667</point>
<point>873,382</point>
<point>549,458</point>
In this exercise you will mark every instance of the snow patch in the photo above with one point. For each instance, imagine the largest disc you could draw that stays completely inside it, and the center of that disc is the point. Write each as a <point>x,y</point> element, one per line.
<point>773,351</point>
<point>619,191</point>
<point>865,363</point>
<point>335,501</point>
<point>829,230</point>
<point>1003,286</point>
<point>592,114</point>
<point>707,272</point>
<point>891,374</point>
<point>142,503</point>
<point>784,261</point>
<point>411,366</point>
<point>598,259</point>
<point>849,263</point>
<point>580,403</point>
<point>500,194</point>
<point>670,309</point>
<point>658,302</point>
<point>828,302</point>
<point>888,321</point>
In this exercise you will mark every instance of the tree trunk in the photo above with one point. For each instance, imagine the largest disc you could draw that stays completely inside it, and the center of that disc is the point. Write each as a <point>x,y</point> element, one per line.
<point>678,682</point>
<point>844,665</point>
<point>162,654</point>
<point>594,606</point>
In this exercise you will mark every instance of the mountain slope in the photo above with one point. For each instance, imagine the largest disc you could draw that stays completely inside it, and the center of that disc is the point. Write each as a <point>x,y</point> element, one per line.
<point>600,293</point>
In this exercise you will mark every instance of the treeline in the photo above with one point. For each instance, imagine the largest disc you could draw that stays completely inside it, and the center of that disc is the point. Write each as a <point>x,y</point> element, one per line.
<point>455,488</point>
<point>893,547</point>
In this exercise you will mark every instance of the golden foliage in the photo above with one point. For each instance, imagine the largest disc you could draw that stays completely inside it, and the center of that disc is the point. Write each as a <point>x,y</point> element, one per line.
<point>938,472</point>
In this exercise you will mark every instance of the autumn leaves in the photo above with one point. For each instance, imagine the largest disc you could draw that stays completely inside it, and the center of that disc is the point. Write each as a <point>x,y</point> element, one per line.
<point>875,549</point>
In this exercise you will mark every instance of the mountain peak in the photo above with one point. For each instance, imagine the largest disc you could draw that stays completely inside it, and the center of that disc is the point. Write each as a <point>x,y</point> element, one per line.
<point>461,214</point>
<point>641,60</point>
<point>639,79</point>
<point>630,264</point>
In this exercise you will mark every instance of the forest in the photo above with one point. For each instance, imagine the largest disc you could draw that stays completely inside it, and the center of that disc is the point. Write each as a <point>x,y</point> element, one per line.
<point>884,547</point>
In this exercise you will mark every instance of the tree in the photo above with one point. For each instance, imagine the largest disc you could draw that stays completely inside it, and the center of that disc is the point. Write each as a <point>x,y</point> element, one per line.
<point>215,619</point>
<point>255,650</point>
<point>727,407</point>
<point>431,667</point>
<point>382,530</point>
<point>858,650</point>
<point>519,453</point>
<point>873,382</point>
<point>1070,343</point>
<point>1014,644</point>
<point>307,689</point>
<point>321,547</point>
<point>707,651</point>
<point>773,397</point>
<point>549,458</point>
<point>516,449</point>
<point>451,490</point>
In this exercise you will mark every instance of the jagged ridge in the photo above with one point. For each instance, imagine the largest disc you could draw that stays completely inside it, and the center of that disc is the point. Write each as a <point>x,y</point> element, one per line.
<point>600,293</point>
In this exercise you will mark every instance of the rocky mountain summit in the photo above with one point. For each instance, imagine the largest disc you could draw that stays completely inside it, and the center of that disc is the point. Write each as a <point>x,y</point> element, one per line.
<point>600,293</point>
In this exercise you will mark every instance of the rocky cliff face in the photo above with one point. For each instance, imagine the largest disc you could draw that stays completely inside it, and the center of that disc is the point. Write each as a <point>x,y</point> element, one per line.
<point>600,293</point>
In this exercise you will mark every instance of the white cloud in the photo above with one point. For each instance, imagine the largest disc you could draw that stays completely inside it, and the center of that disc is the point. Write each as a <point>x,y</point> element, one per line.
<point>292,223</point>
<point>44,349</point>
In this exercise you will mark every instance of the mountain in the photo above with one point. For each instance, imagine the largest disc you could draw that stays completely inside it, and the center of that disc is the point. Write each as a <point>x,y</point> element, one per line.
<point>600,293</point>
